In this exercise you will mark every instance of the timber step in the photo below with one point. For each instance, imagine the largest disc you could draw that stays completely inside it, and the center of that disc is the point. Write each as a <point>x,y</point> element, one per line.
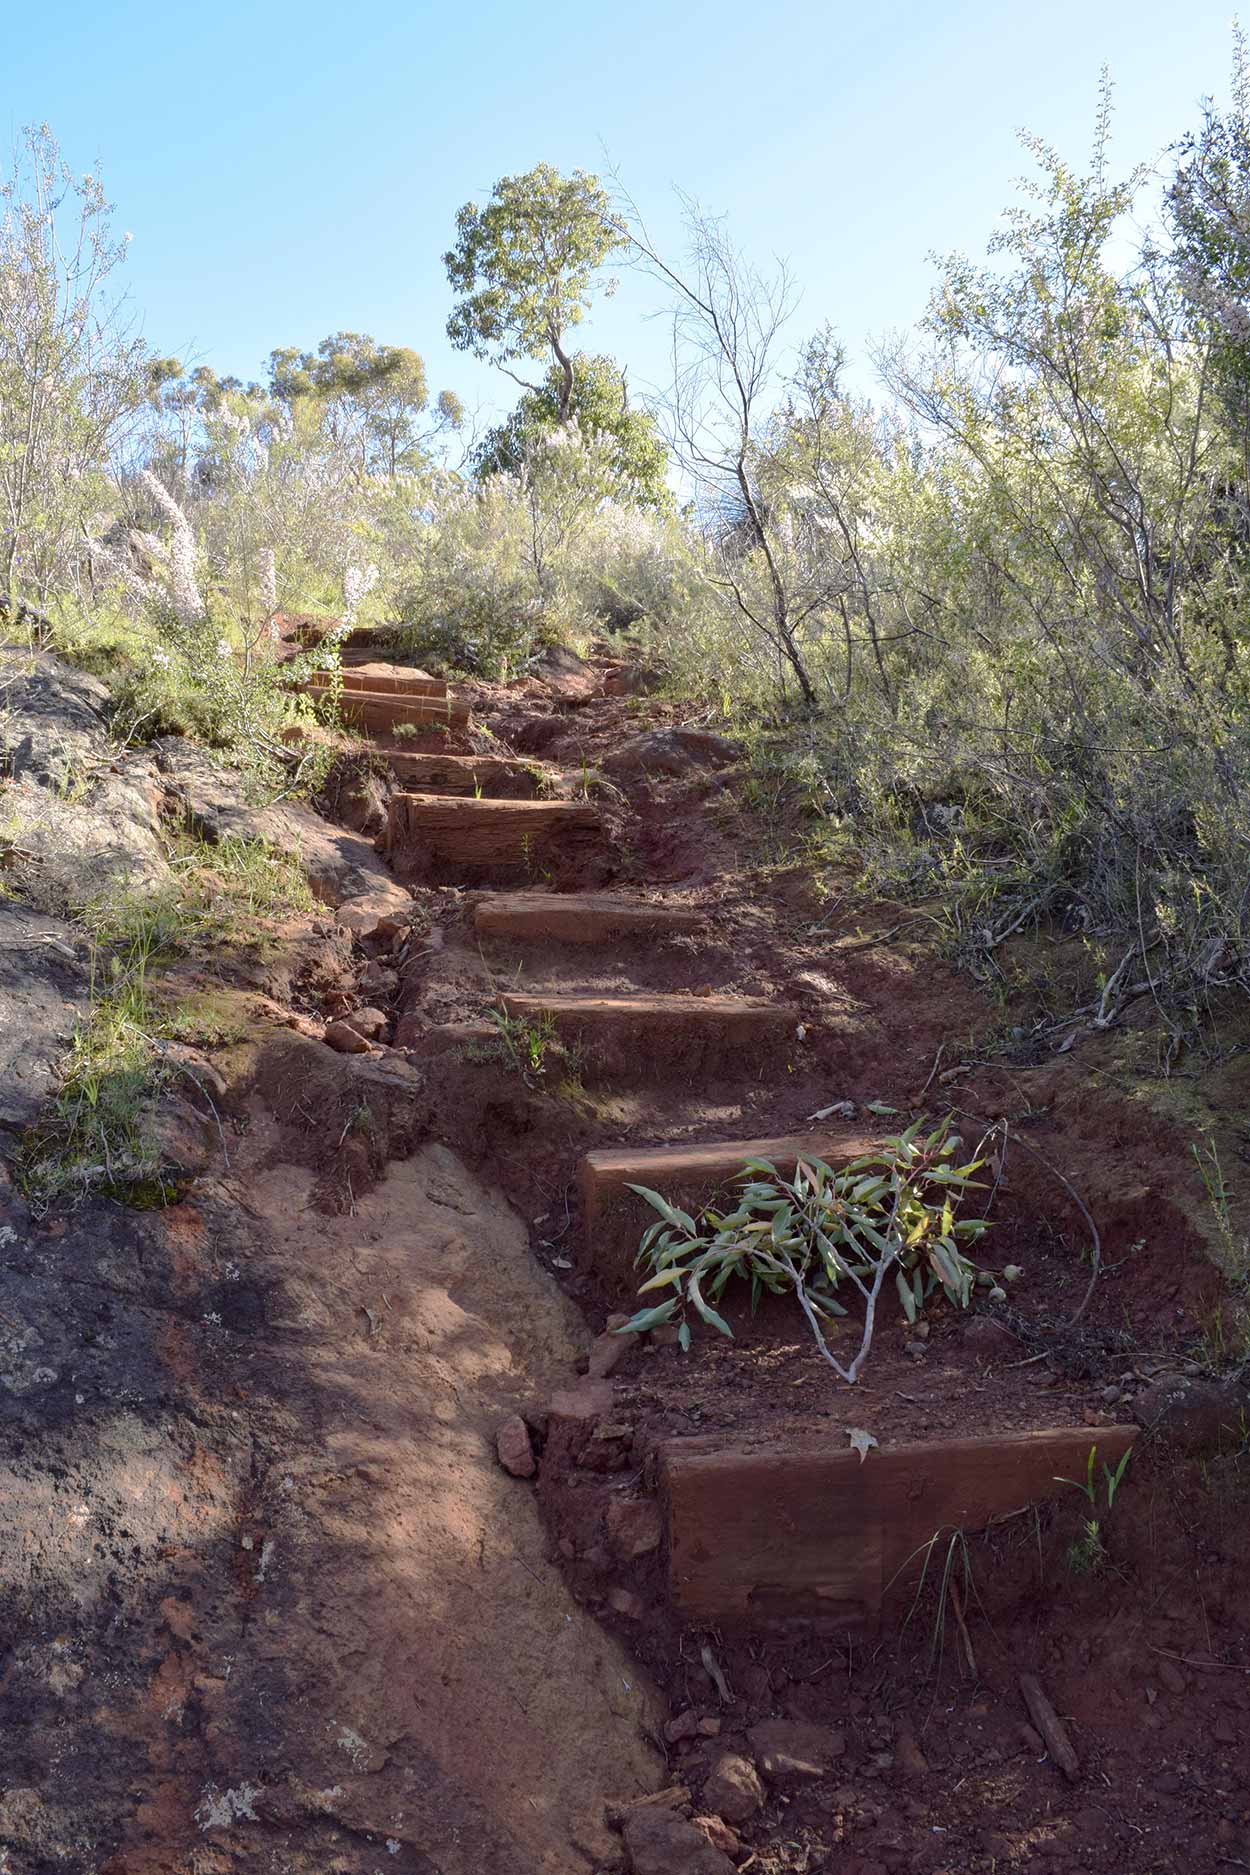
<point>483,835</point>
<point>496,776</point>
<point>378,714</point>
<point>583,917</point>
<point>639,1038</point>
<point>692,1176</point>
<point>765,1537</point>
<point>384,680</point>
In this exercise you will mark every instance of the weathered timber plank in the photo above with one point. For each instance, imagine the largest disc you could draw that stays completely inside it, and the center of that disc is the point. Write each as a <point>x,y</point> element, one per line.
<point>583,917</point>
<point>758,1538</point>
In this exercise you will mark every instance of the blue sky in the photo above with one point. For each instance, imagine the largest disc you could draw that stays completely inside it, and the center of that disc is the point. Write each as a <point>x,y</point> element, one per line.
<point>288,171</point>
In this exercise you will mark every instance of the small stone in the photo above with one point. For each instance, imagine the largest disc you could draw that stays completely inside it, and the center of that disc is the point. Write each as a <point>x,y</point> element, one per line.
<point>625,1602</point>
<point>790,1751</point>
<point>606,1354</point>
<point>733,1788</point>
<point>719,1834</point>
<point>368,1022</point>
<point>665,1336</point>
<point>685,1725</point>
<point>344,1039</point>
<point>660,1842</point>
<point>635,1527</point>
<point>515,1448</point>
<point>710,1727</point>
<point>616,1321</point>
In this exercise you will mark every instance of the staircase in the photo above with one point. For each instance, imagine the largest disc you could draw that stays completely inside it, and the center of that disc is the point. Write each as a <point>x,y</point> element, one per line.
<point>573,966</point>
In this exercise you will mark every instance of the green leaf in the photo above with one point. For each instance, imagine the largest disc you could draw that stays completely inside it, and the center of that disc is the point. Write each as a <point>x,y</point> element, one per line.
<point>649,1318</point>
<point>906,1296</point>
<point>707,1311</point>
<point>683,1337</point>
<point>680,1219</point>
<point>663,1280</point>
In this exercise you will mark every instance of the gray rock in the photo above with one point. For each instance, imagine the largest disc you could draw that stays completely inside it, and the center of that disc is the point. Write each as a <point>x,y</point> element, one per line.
<point>53,720</point>
<point>43,993</point>
<point>673,751</point>
<point>81,815</point>
<point>218,803</point>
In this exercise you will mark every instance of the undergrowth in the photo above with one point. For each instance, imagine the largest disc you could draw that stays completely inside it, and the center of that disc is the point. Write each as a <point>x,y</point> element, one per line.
<point>103,1134</point>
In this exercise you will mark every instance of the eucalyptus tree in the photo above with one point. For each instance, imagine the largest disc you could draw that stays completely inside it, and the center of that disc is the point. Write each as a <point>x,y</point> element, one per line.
<point>525,266</point>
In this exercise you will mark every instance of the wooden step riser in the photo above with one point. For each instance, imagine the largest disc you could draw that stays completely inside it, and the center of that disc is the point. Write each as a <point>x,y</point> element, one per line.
<point>368,681</point>
<point>692,1176</point>
<point>489,777</point>
<point>470,840</point>
<point>636,1040</point>
<point>581,918</point>
<point>383,715</point>
<point>855,1534</point>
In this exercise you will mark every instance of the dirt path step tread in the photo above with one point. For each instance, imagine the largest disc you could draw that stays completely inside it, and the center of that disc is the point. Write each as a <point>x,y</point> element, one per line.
<point>648,1039</point>
<point>583,917</point>
<point>749,1012</point>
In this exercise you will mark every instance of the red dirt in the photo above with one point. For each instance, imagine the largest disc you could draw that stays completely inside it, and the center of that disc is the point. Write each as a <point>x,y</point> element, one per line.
<point>322,1338</point>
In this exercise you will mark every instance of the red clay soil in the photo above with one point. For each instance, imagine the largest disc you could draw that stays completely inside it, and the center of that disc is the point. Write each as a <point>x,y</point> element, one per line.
<point>283,1610</point>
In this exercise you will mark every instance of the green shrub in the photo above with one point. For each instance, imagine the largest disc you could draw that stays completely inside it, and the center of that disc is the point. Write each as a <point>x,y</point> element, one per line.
<point>820,1235</point>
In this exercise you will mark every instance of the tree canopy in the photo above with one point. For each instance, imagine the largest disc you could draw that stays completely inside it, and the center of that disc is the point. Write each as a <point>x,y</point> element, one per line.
<point>382,388</point>
<point>600,407</point>
<point>524,267</point>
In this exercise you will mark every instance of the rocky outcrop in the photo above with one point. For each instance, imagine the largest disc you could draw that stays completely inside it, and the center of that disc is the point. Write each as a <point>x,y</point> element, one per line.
<point>77,814</point>
<point>43,992</point>
<point>220,803</point>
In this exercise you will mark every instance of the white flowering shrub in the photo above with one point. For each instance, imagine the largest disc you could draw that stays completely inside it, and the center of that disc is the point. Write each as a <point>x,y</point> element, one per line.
<point>199,668</point>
